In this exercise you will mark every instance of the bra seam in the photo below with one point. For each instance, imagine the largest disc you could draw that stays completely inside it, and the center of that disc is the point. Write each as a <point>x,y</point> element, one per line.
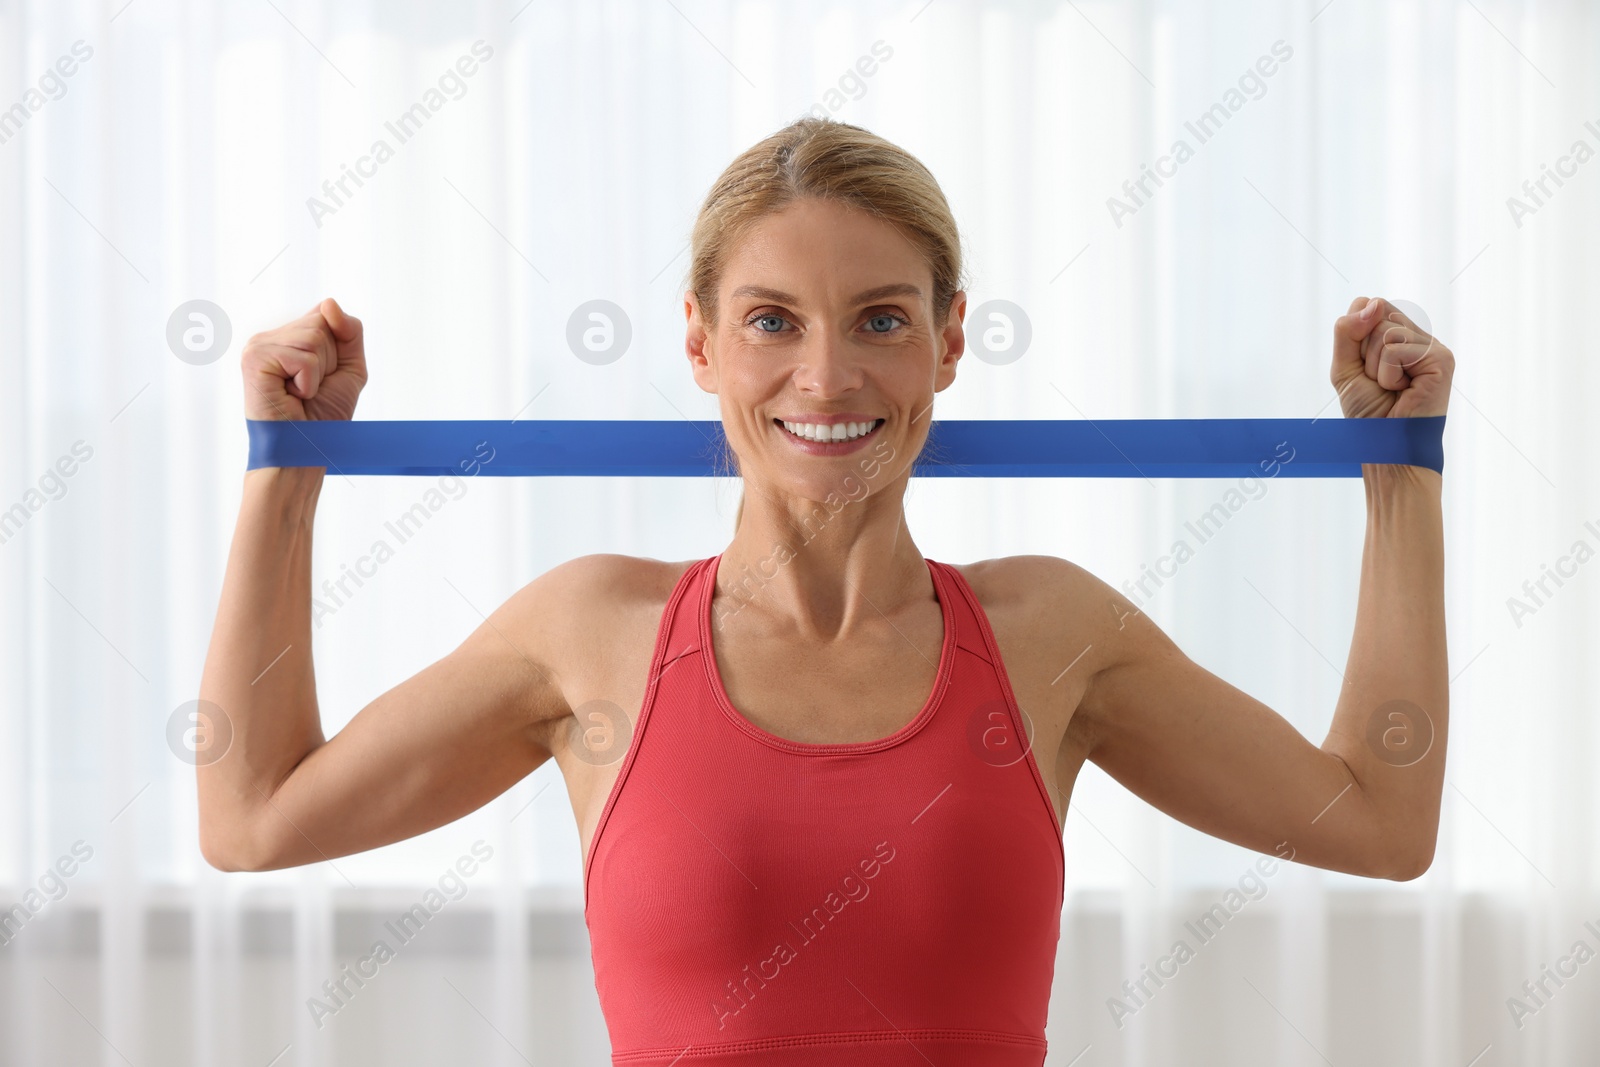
<point>838,1037</point>
<point>664,630</point>
<point>1001,675</point>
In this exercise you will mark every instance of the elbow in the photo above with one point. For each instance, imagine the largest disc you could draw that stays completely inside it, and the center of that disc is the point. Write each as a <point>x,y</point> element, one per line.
<point>1412,863</point>
<point>227,847</point>
<point>219,854</point>
<point>221,861</point>
<point>1412,869</point>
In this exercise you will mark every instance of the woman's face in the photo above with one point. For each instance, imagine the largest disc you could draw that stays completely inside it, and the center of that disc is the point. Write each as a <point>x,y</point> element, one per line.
<point>825,318</point>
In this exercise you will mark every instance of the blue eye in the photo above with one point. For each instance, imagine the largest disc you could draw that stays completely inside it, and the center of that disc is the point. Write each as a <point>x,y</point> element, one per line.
<point>769,318</point>
<point>886,318</point>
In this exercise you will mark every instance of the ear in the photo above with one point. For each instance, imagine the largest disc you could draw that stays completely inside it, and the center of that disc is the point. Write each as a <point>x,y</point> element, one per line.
<point>696,344</point>
<point>952,342</point>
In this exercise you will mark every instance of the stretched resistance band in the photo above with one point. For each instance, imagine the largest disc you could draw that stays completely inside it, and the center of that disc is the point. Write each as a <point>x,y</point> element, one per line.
<point>957,448</point>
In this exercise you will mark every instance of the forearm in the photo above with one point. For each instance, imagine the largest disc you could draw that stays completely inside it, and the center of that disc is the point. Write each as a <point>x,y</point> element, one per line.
<point>258,668</point>
<point>1391,721</point>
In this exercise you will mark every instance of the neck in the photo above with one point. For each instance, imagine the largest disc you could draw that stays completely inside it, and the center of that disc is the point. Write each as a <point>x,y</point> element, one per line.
<point>822,568</point>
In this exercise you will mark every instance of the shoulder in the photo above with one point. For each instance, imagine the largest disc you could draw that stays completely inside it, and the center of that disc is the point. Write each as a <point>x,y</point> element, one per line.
<point>1049,614</point>
<point>613,572</point>
<point>1043,607</point>
<point>1063,600</point>
<point>602,588</point>
<point>576,629</point>
<point>1041,588</point>
<point>584,623</point>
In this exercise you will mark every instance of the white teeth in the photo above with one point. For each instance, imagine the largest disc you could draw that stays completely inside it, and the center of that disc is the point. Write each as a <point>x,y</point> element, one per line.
<point>839,431</point>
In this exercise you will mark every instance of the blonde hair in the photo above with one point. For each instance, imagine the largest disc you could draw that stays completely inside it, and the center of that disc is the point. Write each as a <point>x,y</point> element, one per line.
<point>827,159</point>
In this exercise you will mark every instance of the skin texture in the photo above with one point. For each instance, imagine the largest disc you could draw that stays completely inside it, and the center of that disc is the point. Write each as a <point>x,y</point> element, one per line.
<point>839,642</point>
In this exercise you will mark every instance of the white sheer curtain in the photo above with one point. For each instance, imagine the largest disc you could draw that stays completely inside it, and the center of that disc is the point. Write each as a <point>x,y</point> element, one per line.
<point>170,157</point>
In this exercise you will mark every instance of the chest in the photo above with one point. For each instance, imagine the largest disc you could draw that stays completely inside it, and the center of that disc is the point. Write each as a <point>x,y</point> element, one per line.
<point>848,690</point>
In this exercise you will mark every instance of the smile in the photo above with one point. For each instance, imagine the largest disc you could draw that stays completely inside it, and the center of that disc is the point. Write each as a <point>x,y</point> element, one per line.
<point>823,433</point>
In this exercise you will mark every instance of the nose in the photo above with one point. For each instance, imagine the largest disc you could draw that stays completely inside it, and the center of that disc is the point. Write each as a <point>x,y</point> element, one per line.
<point>827,367</point>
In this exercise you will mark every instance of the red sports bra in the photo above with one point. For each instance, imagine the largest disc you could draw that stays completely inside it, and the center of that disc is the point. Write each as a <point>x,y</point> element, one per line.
<point>755,900</point>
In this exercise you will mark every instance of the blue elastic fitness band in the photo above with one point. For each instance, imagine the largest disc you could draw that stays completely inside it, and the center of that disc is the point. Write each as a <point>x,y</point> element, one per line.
<point>957,448</point>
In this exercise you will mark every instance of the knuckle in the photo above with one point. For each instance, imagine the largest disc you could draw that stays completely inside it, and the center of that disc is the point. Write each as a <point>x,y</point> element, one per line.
<point>253,350</point>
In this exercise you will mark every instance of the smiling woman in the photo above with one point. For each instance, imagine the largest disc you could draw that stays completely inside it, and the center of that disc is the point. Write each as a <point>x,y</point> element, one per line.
<point>858,696</point>
<point>830,164</point>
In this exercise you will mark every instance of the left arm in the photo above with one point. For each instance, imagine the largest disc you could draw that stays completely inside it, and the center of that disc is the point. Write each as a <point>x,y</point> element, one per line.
<point>1367,801</point>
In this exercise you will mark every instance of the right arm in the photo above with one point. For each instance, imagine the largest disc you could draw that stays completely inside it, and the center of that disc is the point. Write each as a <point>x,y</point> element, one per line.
<point>433,748</point>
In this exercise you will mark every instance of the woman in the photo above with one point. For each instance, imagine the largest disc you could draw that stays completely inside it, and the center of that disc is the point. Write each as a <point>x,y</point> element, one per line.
<point>817,825</point>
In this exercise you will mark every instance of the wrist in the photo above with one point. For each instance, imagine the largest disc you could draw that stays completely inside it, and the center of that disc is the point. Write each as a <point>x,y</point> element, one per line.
<point>289,492</point>
<point>1387,479</point>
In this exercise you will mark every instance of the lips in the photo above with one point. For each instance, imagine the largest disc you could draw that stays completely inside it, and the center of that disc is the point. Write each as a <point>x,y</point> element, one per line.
<point>831,432</point>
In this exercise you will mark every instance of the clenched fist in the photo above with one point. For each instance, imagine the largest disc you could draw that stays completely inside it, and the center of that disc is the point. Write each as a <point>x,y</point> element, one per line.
<point>1386,365</point>
<point>311,368</point>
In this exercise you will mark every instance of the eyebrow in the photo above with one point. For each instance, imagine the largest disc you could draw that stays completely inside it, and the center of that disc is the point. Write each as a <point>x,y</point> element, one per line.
<point>761,292</point>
